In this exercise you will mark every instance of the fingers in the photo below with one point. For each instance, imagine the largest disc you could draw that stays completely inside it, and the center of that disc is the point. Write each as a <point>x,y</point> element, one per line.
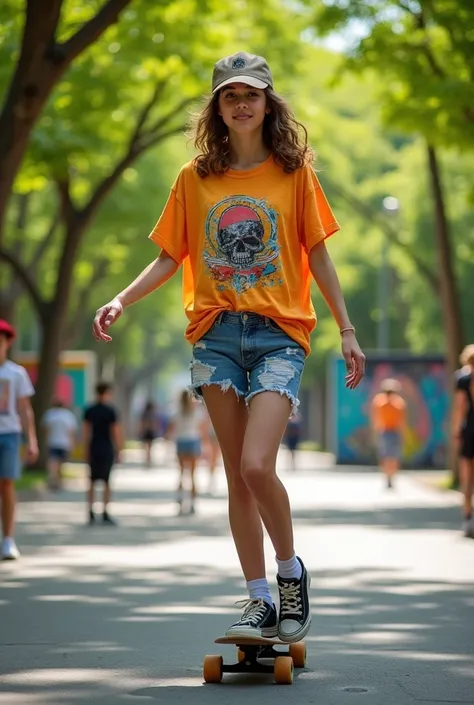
<point>356,371</point>
<point>104,318</point>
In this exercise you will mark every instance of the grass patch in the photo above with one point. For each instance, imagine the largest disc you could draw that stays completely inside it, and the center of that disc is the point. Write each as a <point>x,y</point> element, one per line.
<point>309,445</point>
<point>31,480</point>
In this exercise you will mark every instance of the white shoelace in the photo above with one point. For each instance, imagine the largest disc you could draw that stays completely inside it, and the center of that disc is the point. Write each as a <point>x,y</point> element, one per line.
<point>254,610</point>
<point>290,600</point>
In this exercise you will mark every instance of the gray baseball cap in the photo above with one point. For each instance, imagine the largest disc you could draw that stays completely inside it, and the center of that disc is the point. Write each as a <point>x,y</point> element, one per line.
<point>242,68</point>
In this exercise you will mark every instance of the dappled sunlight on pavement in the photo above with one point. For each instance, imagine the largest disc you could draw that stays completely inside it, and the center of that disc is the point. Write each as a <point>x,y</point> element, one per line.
<point>126,614</point>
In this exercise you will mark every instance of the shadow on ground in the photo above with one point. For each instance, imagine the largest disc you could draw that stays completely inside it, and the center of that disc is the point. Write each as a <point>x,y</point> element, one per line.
<point>111,616</point>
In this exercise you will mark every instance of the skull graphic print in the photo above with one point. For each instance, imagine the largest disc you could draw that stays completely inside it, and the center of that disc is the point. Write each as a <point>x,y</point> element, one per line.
<point>241,244</point>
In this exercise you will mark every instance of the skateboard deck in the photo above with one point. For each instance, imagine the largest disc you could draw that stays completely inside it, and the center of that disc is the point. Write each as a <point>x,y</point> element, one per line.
<point>252,652</point>
<point>250,641</point>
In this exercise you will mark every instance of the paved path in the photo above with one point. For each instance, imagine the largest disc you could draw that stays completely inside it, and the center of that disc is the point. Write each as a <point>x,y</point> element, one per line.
<point>109,616</point>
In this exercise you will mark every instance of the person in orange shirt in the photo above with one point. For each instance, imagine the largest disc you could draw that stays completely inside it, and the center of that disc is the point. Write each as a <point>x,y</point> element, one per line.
<point>248,220</point>
<point>388,418</point>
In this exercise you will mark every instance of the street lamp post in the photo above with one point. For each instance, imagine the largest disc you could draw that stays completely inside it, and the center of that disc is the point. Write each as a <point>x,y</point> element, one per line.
<point>391,207</point>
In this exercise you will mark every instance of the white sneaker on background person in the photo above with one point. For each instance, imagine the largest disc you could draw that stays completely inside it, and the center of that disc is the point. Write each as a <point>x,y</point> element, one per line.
<point>10,550</point>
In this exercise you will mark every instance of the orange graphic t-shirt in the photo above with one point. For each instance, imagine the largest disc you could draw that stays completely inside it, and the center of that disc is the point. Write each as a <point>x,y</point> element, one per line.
<point>244,239</point>
<point>388,412</point>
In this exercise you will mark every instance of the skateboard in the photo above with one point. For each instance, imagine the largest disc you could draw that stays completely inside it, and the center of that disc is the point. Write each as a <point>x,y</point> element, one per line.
<point>250,653</point>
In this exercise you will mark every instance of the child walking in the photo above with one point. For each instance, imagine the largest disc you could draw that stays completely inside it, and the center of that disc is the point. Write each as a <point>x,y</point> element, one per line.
<point>247,219</point>
<point>186,428</point>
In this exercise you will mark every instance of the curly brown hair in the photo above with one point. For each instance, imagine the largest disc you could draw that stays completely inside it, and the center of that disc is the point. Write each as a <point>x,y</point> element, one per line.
<point>285,137</point>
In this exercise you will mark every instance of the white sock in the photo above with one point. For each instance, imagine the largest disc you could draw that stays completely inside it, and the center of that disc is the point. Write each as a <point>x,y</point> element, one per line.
<point>290,568</point>
<point>260,589</point>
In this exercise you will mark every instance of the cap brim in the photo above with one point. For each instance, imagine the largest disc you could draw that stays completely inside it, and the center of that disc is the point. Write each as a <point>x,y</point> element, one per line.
<point>249,80</point>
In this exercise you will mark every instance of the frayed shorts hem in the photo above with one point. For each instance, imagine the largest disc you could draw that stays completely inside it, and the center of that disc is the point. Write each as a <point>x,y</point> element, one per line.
<point>196,392</point>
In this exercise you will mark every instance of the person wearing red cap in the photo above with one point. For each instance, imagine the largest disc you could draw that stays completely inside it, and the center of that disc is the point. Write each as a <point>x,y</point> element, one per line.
<point>15,413</point>
<point>247,219</point>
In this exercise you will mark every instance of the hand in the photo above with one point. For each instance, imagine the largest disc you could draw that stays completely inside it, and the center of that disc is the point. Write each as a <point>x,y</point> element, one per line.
<point>32,451</point>
<point>105,316</point>
<point>355,359</point>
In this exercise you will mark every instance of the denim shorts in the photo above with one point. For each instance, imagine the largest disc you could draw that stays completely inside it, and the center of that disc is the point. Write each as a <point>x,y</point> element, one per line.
<point>250,354</point>
<point>188,446</point>
<point>10,465</point>
<point>390,445</point>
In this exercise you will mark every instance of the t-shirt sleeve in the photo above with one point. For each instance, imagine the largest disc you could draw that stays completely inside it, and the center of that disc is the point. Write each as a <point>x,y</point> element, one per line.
<point>87,414</point>
<point>170,231</point>
<point>319,221</point>
<point>25,386</point>
<point>462,382</point>
<point>114,415</point>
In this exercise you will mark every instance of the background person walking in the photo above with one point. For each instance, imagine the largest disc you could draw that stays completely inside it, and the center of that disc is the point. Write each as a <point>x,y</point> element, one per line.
<point>16,415</point>
<point>388,420</point>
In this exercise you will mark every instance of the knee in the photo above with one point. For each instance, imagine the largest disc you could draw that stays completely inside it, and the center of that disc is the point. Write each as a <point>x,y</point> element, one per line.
<point>237,487</point>
<point>256,473</point>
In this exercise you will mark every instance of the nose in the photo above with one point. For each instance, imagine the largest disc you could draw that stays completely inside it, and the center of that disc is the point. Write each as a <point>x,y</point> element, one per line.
<point>241,102</point>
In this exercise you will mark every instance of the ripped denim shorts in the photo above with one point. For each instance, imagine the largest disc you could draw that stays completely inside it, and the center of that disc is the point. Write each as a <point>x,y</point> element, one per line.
<point>250,354</point>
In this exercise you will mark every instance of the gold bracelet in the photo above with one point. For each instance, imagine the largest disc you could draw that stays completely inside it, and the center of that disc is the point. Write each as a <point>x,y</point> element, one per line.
<point>347,329</point>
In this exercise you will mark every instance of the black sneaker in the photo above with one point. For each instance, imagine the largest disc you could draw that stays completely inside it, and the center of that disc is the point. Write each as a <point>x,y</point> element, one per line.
<point>107,519</point>
<point>294,619</point>
<point>91,517</point>
<point>259,619</point>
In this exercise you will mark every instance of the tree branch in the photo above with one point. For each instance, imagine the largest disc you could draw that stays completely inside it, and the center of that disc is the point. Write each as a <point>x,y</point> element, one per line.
<point>78,317</point>
<point>164,120</point>
<point>28,282</point>
<point>161,136</point>
<point>144,113</point>
<point>43,244</point>
<point>92,30</point>
<point>372,215</point>
<point>136,147</point>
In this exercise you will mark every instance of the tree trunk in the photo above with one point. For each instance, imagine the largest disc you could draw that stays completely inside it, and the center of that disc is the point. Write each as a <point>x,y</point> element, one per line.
<point>41,64</point>
<point>449,296</point>
<point>448,287</point>
<point>48,368</point>
<point>53,325</point>
<point>36,73</point>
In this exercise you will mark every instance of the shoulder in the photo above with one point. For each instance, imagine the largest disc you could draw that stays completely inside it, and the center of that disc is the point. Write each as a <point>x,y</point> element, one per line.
<point>463,381</point>
<point>13,369</point>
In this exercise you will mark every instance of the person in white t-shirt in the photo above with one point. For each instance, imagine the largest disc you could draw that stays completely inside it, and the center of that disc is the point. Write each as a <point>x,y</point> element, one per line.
<point>187,428</point>
<point>15,414</point>
<point>61,427</point>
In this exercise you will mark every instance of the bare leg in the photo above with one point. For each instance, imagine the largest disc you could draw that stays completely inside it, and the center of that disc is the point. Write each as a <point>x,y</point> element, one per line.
<point>466,466</point>
<point>192,468</point>
<point>107,495</point>
<point>148,453</point>
<point>7,488</point>
<point>229,417</point>
<point>91,495</point>
<point>268,417</point>
<point>54,472</point>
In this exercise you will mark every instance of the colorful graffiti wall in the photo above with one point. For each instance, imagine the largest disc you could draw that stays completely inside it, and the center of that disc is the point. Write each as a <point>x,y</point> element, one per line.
<point>75,382</point>
<point>424,388</point>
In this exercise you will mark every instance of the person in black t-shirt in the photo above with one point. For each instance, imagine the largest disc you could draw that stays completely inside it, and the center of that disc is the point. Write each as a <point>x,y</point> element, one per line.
<point>103,441</point>
<point>463,431</point>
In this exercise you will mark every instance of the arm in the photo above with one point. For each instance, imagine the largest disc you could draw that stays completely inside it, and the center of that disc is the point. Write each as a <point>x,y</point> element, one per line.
<point>86,439</point>
<point>117,437</point>
<point>460,406</point>
<point>152,277</point>
<point>325,276</point>
<point>28,424</point>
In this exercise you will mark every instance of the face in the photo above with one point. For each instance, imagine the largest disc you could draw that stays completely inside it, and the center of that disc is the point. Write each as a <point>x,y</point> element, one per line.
<point>5,343</point>
<point>242,107</point>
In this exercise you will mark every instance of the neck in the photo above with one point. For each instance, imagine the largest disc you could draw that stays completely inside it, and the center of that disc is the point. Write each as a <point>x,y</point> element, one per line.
<point>247,151</point>
<point>3,359</point>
